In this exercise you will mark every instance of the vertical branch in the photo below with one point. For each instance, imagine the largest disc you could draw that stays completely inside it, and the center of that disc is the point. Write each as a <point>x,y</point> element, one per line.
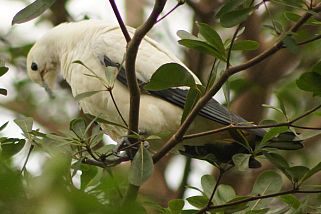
<point>130,57</point>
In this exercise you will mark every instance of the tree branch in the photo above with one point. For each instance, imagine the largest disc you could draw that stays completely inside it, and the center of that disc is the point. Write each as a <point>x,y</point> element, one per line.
<point>178,136</point>
<point>120,20</point>
<point>259,197</point>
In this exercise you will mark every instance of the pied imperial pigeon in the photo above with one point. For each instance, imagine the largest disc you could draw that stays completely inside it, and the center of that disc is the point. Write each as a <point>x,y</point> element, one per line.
<point>101,48</point>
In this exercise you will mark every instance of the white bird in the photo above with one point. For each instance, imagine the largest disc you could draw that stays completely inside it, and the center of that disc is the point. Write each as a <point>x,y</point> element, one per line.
<point>99,45</point>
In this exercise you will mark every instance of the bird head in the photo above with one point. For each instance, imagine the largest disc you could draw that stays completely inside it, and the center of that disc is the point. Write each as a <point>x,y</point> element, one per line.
<point>42,64</point>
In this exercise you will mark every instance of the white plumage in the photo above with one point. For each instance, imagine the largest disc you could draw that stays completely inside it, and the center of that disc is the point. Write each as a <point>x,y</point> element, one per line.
<point>90,42</point>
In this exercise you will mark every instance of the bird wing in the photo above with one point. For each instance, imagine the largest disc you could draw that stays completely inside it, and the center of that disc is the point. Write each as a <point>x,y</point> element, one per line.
<point>150,57</point>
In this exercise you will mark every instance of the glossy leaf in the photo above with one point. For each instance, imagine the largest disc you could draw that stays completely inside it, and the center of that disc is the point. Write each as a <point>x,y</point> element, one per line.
<point>311,81</point>
<point>32,11</point>
<point>191,99</point>
<point>11,146</point>
<point>212,37</point>
<point>170,75</point>
<point>142,167</point>
<point>235,17</point>
<point>203,47</point>
<point>245,45</point>
<point>273,132</point>
<point>198,201</point>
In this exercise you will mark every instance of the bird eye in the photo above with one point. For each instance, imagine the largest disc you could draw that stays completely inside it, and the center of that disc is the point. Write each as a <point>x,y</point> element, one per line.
<point>34,66</point>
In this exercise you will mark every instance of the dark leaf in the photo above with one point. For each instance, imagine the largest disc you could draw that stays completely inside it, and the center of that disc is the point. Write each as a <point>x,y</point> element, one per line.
<point>310,81</point>
<point>142,167</point>
<point>32,11</point>
<point>277,160</point>
<point>191,99</point>
<point>3,70</point>
<point>11,146</point>
<point>170,75</point>
<point>3,126</point>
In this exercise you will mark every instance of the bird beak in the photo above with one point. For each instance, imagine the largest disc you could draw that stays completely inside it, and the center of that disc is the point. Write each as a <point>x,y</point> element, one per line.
<point>45,85</point>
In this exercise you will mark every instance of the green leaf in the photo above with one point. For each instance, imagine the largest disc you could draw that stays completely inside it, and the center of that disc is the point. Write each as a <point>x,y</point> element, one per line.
<point>317,68</point>
<point>202,46</point>
<point>3,70</point>
<point>233,18</point>
<point>277,160</point>
<point>273,132</point>
<point>186,35</point>
<point>212,37</point>
<point>4,126</point>
<point>229,6</point>
<point>311,82</point>
<point>78,126</point>
<point>297,172</point>
<point>11,146</point>
<point>224,194</point>
<point>267,183</point>
<point>32,11</point>
<point>176,205</point>
<point>142,167</point>
<point>245,45</point>
<point>86,94</point>
<point>259,211</point>
<point>88,172</point>
<point>198,201</point>
<point>291,200</point>
<point>191,99</point>
<point>25,125</point>
<point>291,44</point>
<point>241,161</point>
<point>3,92</point>
<point>208,182</point>
<point>311,172</point>
<point>170,75</point>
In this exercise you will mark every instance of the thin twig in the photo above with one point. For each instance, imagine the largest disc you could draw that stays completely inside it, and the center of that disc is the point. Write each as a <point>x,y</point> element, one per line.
<point>116,106</point>
<point>120,20</point>
<point>249,127</point>
<point>259,197</point>
<point>229,53</point>
<point>220,175</point>
<point>179,3</point>
<point>27,158</point>
<point>178,136</point>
